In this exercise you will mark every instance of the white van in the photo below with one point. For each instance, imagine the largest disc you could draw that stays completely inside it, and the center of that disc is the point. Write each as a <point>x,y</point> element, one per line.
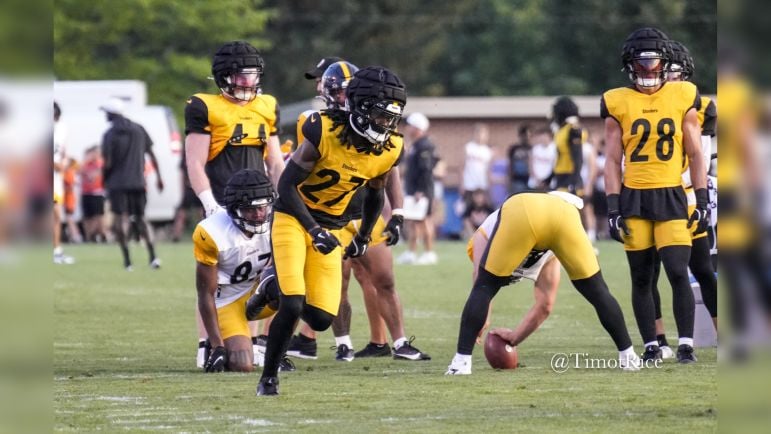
<point>85,128</point>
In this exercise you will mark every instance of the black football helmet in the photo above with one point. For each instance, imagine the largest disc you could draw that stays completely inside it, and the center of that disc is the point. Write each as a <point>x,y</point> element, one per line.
<point>645,56</point>
<point>563,108</point>
<point>237,69</point>
<point>681,65</point>
<point>249,200</point>
<point>334,81</point>
<point>376,97</point>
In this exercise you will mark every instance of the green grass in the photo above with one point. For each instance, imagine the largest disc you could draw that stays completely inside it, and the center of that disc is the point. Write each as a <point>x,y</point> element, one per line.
<point>124,347</point>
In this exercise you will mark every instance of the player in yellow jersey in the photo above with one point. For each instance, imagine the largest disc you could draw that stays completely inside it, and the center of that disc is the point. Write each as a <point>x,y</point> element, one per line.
<point>232,247</point>
<point>373,271</point>
<point>569,138</point>
<point>653,125</point>
<point>682,67</point>
<point>342,152</point>
<point>529,229</point>
<point>232,130</point>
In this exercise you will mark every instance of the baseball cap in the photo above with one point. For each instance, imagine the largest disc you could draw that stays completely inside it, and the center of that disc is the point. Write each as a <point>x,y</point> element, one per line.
<point>318,71</point>
<point>114,105</point>
<point>418,120</point>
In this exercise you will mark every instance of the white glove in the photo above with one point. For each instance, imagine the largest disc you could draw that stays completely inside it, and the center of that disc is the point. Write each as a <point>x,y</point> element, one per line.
<point>210,205</point>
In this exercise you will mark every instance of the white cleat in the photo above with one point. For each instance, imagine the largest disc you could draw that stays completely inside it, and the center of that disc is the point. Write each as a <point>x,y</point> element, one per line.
<point>427,258</point>
<point>406,258</point>
<point>629,363</point>
<point>458,367</point>
<point>63,259</point>
<point>199,357</point>
<point>259,355</point>
<point>667,353</point>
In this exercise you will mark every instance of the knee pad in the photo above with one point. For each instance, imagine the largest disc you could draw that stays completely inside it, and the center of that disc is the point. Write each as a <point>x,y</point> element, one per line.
<point>489,283</point>
<point>292,304</point>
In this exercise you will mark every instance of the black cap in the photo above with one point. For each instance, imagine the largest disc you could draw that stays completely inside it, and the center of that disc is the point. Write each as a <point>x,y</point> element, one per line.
<point>318,71</point>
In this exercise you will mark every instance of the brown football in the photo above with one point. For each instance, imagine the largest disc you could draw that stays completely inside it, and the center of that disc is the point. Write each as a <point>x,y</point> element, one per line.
<point>499,354</point>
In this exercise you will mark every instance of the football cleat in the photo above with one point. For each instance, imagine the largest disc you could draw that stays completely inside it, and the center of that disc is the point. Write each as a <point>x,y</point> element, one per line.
<point>374,350</point>
<point>459,367</point>
<point>155,264</point>
<point>62,259</point>
<point>652,352</point>
<point>408,352</point>
<point>344,353</point>
<point>200,357</point>
<point>406,258</point>
<point>267,386</point>
<point>286,365</point>
<point>427,258</point>
<point>666,352</point>
<point>685,354</point>
<point>259,350</point>
<point>302,348</point>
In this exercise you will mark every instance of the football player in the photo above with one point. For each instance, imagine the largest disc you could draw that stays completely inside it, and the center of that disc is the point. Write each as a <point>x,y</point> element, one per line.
<point>373,271</point>
<point>232,130</point>
<point>526,230</point>
<point>653,125</point>
<point>569,138</point>
<point>342,152</point>
<point>682,68</point>
<point>231,249</point>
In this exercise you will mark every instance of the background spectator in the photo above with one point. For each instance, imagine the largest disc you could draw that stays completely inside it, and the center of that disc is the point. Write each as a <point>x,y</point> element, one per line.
<point>542,157</point>
<point>476,212</point>
<point>599,202</point>
<point>499,177</point>
<point>588,177</point>
<point>421,159</point>
<point>92,195</point>
<point>71,201</point>
<point>519,161</point>
<point>477,165</point>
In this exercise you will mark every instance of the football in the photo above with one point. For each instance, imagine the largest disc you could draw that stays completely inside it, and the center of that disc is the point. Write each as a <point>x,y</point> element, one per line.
<point>499,354</point>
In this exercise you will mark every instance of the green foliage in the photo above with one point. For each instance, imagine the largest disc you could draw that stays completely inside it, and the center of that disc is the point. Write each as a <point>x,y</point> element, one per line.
<point>439,48</point>
<point>124,347</point>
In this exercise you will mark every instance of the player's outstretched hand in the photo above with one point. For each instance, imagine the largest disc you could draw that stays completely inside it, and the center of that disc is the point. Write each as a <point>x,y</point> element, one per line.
<point>217,360</point>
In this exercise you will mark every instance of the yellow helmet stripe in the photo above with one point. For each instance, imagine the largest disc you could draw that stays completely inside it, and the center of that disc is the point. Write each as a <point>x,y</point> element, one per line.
<point>346,71</point>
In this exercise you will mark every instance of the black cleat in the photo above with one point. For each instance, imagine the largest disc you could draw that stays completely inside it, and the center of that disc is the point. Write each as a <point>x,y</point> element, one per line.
<point>267,386</point>
<point>302,347</point>
<point>652,352</point>
<point>344,354</point>
<point>408,352</point>
<point>374,350</point>
<point>286,365</point>
<point>685,354</point>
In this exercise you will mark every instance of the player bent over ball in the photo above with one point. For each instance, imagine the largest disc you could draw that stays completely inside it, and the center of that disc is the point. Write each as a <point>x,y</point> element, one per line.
<point>232,247</point>
<point>526,230</point>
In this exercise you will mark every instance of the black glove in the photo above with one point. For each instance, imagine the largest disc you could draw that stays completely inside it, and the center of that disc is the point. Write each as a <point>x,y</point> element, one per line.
<point>700,215</point>
<point>393,229</point>
<point>323,241</point>
<point>358,247</point>
<point>217,360</point>
<point>616,222</point>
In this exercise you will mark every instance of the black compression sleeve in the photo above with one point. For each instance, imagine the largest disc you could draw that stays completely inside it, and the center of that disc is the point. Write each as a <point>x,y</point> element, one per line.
<point>371,208</point>
<point>576,152</point>
<point>290,199</point>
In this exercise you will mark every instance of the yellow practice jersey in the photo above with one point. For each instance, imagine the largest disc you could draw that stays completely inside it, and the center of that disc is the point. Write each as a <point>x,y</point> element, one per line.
<point>652,133</point>
<point>738,109</point>
<point>300,122</point>
<point>568,135</point>
<point>339,171</point>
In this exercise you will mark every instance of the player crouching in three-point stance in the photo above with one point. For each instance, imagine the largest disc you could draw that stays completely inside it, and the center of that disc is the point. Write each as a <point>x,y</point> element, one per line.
<point>232,247</point>
<point>529,225</point>
<point>342,152</point>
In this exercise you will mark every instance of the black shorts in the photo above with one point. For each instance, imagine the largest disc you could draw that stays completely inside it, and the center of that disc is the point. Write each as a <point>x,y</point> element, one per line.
<point>130,202</point>
<point>92,205</point>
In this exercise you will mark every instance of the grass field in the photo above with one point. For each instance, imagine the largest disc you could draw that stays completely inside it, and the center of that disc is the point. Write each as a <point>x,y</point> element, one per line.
<point>124,347</point>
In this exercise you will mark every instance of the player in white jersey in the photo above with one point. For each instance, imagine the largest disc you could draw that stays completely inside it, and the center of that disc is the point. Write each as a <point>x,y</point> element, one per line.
<point>231,248</point>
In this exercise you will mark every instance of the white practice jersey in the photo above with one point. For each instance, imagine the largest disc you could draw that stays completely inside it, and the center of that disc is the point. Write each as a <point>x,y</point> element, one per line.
<point>239,259</point>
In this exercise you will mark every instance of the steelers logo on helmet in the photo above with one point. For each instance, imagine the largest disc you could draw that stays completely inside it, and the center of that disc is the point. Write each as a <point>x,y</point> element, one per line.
<point>249,200</point>
<point>334,81</point>
<point>645,56</point>
<point>237,69</point>
<point>377,98</point>
<point>681,66</point>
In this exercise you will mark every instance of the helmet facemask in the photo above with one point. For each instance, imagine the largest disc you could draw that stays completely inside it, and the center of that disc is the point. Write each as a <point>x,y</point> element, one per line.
<point>244,84</point>
<point>253,216</point>
<point>237,69</point>
<point>648,69</point>
<point>376,120</point>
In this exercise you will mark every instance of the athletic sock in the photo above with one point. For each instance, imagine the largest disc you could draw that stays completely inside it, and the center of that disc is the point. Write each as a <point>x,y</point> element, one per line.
<point>400,342</point>
<point>462,358</point>
<point>686,341</point>
<point>305,339</point>
<point>344,340</point>
<point>201,343</point>
<point>656,343</point>
<point>662,340</point>
<point>627,353</point>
